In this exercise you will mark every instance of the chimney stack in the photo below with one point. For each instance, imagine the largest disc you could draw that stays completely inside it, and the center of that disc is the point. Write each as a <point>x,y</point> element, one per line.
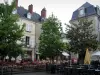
<point>16,3</point>
<point>30,8</point>
<point>43,13</point>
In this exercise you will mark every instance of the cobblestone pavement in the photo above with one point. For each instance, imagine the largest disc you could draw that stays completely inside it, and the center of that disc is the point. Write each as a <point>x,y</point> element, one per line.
<point>36,73</point>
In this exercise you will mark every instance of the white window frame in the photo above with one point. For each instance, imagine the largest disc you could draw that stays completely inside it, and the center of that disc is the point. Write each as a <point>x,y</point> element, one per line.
<point>28,28</point>
<point>29,15</point>
<point>81,12</point>
<point>32,41</point>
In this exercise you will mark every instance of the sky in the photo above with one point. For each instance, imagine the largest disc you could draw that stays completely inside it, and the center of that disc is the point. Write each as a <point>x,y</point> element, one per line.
<point>63,9</point>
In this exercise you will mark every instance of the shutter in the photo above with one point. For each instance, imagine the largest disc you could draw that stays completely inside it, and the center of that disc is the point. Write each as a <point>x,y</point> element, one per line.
<point>30,27</point>
<point>32,42</point>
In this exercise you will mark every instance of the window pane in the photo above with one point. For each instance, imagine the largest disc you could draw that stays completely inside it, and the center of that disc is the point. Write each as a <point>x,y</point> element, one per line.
<point>27,40</point>
<point>81,12</point>
<point>32,41</point>
<point>28,28</point>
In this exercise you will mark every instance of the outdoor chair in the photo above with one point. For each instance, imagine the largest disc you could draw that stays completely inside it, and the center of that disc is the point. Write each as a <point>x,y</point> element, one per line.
<point>61,70</point>
<point>79,71</point>
<point>69,71</point>
<point>74,71</point>
<point>91,71</point>
<point>84,72</point>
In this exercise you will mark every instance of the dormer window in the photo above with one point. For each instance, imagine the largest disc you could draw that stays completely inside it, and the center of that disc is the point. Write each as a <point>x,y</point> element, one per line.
<point>81,12</point>
<point>29,15</point>
<point>98,10</point>
<point>14,11</point>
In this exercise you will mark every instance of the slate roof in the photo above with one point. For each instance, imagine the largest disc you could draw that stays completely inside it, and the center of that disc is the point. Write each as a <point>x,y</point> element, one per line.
<point>89,10</point>
<point>23,13</point>
<point>86,5</point>
<point>44,9</point>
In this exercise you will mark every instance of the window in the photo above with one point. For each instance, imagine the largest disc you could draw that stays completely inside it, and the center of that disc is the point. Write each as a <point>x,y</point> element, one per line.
<point>98,10</point>
<point>27,40</point>
<point>81,12</point>
<point>28,15</point>
<point>14,11</point>
<point>32,41</point>
<point>28,28</point>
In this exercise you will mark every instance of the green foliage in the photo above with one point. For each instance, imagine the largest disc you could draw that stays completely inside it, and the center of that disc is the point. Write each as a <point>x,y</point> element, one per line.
<point>10,31</point>
<point>81,36</point>
<point>65,46</point>
<point>50,38</point>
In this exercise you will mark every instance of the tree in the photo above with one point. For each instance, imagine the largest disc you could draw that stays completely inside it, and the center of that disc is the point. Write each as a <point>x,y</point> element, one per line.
<point>10,31</point>
<point>16,51</point>
<point>50,38</point>
<point>81,36</point>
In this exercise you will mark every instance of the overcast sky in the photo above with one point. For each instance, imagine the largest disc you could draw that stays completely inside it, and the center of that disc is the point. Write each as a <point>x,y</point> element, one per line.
<point>63,9</point>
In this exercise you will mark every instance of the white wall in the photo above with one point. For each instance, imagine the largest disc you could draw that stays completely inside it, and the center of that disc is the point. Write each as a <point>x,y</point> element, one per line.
<point>31,34</point>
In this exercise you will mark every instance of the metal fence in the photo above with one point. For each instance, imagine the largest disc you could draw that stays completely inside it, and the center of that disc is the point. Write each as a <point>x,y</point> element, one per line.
<point>15,69</point>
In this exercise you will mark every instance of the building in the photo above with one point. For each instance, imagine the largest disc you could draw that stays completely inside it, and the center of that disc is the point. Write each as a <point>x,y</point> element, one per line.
<point>90,12</point>
<point>32,21</point>
<point>64,39</point>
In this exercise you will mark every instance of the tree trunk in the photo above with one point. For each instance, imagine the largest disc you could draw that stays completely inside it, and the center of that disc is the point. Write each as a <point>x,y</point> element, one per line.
<point>52,59</point>
<point>15,59</point>
<point>9,59</point>
<point>81,57</point>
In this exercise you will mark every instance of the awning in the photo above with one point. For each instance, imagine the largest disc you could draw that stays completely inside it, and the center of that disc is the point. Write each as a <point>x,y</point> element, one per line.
<point>65,54</point>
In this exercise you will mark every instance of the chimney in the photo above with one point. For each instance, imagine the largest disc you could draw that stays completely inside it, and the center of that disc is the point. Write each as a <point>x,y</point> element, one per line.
<point>43,13</point>
<point>16,3</point>
<point>30,8</point>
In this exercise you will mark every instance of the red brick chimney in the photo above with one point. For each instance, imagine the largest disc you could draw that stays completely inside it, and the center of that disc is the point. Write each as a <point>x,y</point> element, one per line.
<point>43,13</point>
<point>16,3</point>
<point>30,8</point>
